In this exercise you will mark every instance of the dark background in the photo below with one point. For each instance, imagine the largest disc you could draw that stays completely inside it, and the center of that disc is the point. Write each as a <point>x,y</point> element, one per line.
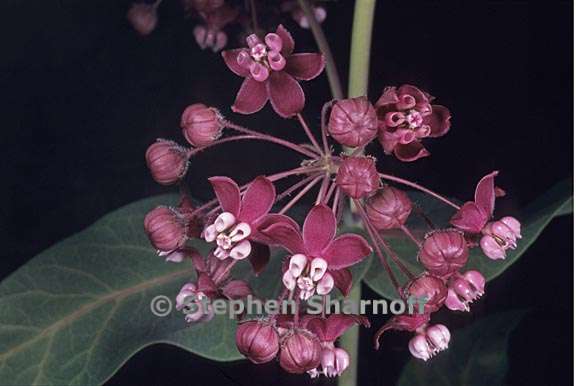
<point>83,96</point>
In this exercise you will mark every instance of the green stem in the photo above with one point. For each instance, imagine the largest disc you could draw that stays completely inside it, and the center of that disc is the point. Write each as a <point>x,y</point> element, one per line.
<point>357,86</point>
<point>331,70</point>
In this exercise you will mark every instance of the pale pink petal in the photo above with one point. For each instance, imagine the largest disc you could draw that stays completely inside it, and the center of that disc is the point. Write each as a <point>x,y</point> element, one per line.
<point>251,97</point>
<point>305,66</point>
<point>285,94</point>
<point>228,194</point>
<point>485,195</point>
<point>231,60</point>
<point>287,40</point>
<point>319,229</point>
<point>346,250</point>
<point>439,121</point>
<point>258,200</point>
<point>410,152</point>
<point>342,280</point>
<point>286,236</point>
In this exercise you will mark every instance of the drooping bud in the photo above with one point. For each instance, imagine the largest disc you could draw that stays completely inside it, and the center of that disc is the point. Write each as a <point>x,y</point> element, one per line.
<point>165,228</point>
<point>464,289</point>
<point>389,208</point>
<point>299,351</point>
<point>444,252</point>
<point>353,122</point>
<point>143,17</point>
<point>334,361</point>
<point>201,125</point>
<point>167,161</point>
<point>257,340</point>
<point>427,287</point>
<point>425,345</point>
<point>358,177</point>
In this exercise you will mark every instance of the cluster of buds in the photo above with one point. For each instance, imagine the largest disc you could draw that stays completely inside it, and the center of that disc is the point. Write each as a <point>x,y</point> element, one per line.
<point>244,221</point>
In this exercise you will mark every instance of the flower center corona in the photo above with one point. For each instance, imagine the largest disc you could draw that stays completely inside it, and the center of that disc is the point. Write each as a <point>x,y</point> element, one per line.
<point>230,236</point>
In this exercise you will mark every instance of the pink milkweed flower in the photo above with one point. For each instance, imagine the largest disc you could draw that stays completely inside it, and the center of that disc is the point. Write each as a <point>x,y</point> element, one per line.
<point>389,208</point>
<point>201,125</point>
<point>499,236</point>
<point>236,230</point>
<point>358,177</point>
<point>463,289</point>
<point>143,17</point>
<point>406,116</point>
<point>194,300</point>
<point>315,251</point>
<point>258,340</point>
<point>333,360</point>
<point>429,343</point>
<point>429,287</point>
<point>167,161</point>
<point>299,351</point>
<point>216,16</point>
<point>271,71</point>
<point>444,252</point>
<point>353,122</point>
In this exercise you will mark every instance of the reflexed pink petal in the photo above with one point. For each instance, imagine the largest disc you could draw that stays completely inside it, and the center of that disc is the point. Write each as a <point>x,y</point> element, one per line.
<point>470,218</point>
<point>305,66</point>
<point>485,195</point>
<point>259,257</point>
<point>228,194</point>
<point>231,60</point>
<point>236,289</point>
<point>410,152</point>
<point>286,236</point>
<point>389,96</point>
<point>285,94</point>
<point>258,200</point>
<point>342,280</point>
<point>287,40</point>
<point>330,329</point>
<point>251,97</point>
<point>439,121</point>
<point>319,229</point>
<point>346,250</point>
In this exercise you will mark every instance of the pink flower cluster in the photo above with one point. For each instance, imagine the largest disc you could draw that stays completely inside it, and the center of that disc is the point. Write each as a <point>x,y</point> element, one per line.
<point>245,221</point>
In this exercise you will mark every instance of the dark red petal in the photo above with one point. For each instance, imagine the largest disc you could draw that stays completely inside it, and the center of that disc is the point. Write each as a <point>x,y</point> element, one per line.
<point>268,220</point>
<point>485,195</point>
<point>231,60</point>
<point>330,329</point>
<point>259,257</point>
<point>342,280</point>
<point>410,152</point>
<point>236,289</point>
<point>228,194</point>
<point>389,96</point>
<point>287,40</point>
<point>197,259</point>
<point>346,250</point>
<point>258,200</point>
<point>251,97</point>
<point>319,229</point>
<point>305,66</point>
<point>439,121</point>
<point>285,94</point>
<point>286,236</point>
<point>206,285</point>
<point>470,218</point>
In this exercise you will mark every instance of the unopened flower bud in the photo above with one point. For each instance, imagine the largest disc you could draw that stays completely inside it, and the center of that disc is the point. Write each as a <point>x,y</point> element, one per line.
<point>165,228</point>
<point>499,236</point>
<point>143,17</point>
<point>425,345</point>
<point>167,161</point>
<point>427,287</point>
<point>439,336</point>
<point>201,125</point>
<point>257,340</point>
<point>353,122</point>
<point>444,252</point>
<point>300,351</point>
<point>389,208</point>
<point>464,289</point>
<point>358,177</point>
